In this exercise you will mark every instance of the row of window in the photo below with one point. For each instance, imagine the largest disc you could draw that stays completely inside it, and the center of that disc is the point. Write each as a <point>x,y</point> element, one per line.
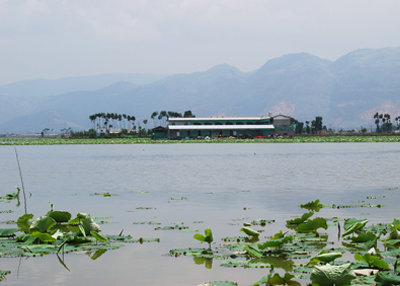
<point>231,123</point>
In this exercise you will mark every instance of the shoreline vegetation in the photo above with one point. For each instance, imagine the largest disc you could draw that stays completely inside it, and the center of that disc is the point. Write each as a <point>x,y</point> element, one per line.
<point>335,138</point>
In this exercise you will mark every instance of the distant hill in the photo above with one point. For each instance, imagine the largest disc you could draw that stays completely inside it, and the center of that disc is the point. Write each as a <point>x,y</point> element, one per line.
<point>344,92</point>
<point>46,87</point>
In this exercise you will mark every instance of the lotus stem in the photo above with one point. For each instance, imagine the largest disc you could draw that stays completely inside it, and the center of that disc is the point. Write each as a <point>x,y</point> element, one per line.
<point>22,181</point>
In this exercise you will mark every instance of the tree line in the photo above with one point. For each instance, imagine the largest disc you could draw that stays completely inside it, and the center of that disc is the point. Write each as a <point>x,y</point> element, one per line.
<point>315,128</point>
<point>162,116</point>
<point>112,120</point>
<point>384,123</point>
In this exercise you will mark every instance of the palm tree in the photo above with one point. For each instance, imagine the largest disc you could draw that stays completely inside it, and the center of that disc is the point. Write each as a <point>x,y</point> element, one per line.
<point>159,118</point>
<point>153,116</point>
<point>377,117</point>
<point>145,123</point>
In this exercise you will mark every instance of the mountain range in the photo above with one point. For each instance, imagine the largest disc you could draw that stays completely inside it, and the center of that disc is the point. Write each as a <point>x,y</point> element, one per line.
<point>346,93</point>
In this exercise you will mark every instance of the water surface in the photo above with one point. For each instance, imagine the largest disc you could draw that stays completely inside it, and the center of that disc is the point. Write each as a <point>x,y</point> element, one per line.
<point>222,182</point>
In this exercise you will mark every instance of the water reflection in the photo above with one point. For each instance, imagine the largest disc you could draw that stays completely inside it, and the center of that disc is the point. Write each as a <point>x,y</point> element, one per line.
<point>203,260</point>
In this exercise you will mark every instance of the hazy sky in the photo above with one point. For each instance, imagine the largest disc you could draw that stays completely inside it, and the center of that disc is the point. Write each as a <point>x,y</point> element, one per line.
<point>58,38</point>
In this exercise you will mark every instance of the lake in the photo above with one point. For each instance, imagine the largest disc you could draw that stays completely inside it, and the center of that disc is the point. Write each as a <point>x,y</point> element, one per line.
<point>223,184</point>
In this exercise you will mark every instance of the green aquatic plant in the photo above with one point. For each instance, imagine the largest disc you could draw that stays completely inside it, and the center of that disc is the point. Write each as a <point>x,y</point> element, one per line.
<point>276,241</point>
<point>371,259</point>
<point>3,274</point>
<point>384,279</point>
<point>56,231</point>
<point>207,237</point>
<point>325,256</point>
<point>277,280</point>
<point>352,225</point>
<point>250,232</point>
<point>12,196</point>
<point>312,225</point>
<point>312,206</point>
<point>329,275</point>
<point>300,220</point>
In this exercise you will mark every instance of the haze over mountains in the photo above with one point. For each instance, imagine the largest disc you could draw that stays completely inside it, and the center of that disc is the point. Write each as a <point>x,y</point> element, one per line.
<point>346,93</point>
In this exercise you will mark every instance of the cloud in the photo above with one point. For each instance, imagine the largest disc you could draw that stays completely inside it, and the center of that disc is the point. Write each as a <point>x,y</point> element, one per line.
<point>93,36</point>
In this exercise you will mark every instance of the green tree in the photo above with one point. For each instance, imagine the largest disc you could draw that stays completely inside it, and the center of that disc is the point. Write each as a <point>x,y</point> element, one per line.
<point>298,129</point>
<point>308,130</point>
<point>377,121</point>
<point>154,116</point>
<point>188,114</point>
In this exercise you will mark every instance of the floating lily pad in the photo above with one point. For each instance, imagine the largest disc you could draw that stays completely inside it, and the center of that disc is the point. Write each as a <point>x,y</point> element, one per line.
<point>107,194</point>
<point>262,222</point>
<point>3,274</point>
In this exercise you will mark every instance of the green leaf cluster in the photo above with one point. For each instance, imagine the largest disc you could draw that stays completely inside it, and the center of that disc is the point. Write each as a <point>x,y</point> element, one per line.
<point>329,275</point>
<point>207,237</point>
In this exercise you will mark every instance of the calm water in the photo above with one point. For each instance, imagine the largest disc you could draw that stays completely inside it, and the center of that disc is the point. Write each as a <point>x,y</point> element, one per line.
<point>212,176</point>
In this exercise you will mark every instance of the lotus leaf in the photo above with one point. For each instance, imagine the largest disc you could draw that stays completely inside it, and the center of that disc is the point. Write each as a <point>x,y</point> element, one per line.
<point>43,236</point>
<point>81,215</point>
<point>3,274</point>
<point>371,260</point>
<point>263,280</point>
<point>57,233</point>
<point>312,206</point>
<point>250,232</point>
<point>364,237</point>
<point>329,275</point>
<point>352,227</point>
<point>42,224</point>
<point>275,242</point>
<point>285,280</point>
<point>253,251</point>
<point>325,256</point>
<point>223,283</point>
<point>395,234</point>
<point>303,218</point>
<point>60,216</point>
<point>208,237</point>
<point>8,231</point>
<point>27,238</point>
<point>24,218</point>
<point>234,263</point>
<point>89,225</point>
<point>98,236</point>
<point>188,230</point>
<point>262,222</point>
<point>383,279</point>
<point>312,225</point>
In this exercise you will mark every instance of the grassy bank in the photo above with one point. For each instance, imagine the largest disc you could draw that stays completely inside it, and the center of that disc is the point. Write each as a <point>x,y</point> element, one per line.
<point>313,139</point>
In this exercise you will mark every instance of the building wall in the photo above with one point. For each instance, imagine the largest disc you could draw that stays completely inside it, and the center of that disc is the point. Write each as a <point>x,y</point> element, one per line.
<point>282,125</point>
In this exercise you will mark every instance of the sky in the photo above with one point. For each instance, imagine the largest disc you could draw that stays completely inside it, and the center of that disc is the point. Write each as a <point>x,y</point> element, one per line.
<point>59,38</point>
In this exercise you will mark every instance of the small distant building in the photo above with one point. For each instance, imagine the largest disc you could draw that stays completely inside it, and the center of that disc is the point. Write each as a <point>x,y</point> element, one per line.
<point>279,125</point>
<point>159,132</point>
